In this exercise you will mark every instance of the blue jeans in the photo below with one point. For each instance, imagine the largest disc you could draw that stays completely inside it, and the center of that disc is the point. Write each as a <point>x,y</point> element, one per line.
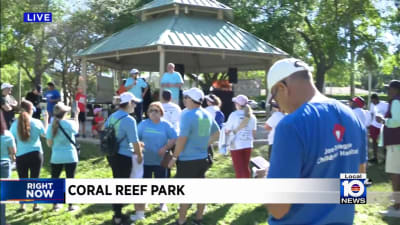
<point>139,112</point>
<point>159,172</point>
<point>5,173</point>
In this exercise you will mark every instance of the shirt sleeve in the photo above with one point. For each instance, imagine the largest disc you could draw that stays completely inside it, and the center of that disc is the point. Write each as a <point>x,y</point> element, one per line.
<point>272,120</point>
<point>179,79</point>
<point>395,111</point>
<point>13,129</point>
<point>128,82</point>
<point>11,142</point>
<point>130,127</point>
<point>185,125</point>
<point>286,160</point>
<point>40,127</point>
<point>74,127</point>
<point>229,122</point>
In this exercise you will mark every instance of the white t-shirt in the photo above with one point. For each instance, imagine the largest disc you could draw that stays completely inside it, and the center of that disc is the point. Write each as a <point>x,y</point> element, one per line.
<point>363,115</point>
<point>212,109</point>
<point>244,138</point>
<point>379,109</point>
<point>172,114</point>
<point>273,121</point>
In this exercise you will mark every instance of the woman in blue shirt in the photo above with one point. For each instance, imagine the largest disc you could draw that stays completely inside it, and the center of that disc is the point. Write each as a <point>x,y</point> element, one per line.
<point>63,152</point>
<point>129,147</point>
<point>7,150</point>
<point>27,132</point>
<point>158,136</point>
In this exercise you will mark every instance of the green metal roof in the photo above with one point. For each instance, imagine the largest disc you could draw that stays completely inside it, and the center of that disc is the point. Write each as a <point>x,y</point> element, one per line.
<point>200,3</point>
<point>183,31</point>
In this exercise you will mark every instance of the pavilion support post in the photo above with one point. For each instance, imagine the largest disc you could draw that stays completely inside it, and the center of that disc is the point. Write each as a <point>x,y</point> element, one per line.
<point>162,65</point>
<point>84,75</point>
<point>267,111</point>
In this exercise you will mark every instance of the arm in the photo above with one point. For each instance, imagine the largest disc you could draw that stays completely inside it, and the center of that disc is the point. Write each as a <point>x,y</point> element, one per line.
<point>145,90</point>
<point>278,210</point>
<point>214,137</point>
<point>180,144</point>
<point>49,142</point>
<point>45,122</point>
<point>169,145</point>
<point>138,151</point>
<point>363,168</point>
<point>11,153</point>
<point>267,127</point>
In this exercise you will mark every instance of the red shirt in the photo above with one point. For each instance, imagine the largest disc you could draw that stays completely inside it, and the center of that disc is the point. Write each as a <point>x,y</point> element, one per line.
<point>81,99</point>
<point>96,121</point>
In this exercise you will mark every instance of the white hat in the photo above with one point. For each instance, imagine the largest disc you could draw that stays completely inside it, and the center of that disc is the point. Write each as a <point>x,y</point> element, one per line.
<point>284,68</point>
<point>208,97</point>
<point>241,100</point>
<point>134,71</point>
<point>61,107</point>
<point>195,94</point>
<point>6,85</point>
<point>127,97</point>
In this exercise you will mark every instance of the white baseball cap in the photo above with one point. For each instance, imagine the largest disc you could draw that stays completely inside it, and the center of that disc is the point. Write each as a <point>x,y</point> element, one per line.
<point>284,68</point>
<point>195,94</point>
<point>127,97</point>
<point>6,85</point>
<point>134,71</point>
<point>241,100</point>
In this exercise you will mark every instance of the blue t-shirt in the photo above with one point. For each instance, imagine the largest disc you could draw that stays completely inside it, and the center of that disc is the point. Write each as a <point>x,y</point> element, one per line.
<point>51,95</point>
<point>318,140</point>
<point>197,125</point>
<point>137,89</point>
<point>172,78</point>
<point>126,131</point>
<point>6,141</point>
<point>33,143</point>
<point>154,136</point>
<point>62,150</point>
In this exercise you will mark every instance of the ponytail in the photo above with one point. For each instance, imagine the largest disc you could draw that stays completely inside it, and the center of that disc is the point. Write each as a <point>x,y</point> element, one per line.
<point>24,123</point>
<point>248,112</point>
<point>56,123</point>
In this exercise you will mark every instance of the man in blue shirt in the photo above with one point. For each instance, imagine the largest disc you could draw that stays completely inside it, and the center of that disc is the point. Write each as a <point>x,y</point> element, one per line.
<point>134,85</point>
<point>319,138</point>
<point>52,97</point>
<point>197,131</point>
<point>172,81</point>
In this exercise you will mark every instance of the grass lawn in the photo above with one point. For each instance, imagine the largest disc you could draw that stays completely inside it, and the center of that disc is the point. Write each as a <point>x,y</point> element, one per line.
<point>93,165</point>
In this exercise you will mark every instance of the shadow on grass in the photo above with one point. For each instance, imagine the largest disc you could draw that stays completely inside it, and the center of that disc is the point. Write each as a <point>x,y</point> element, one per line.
<point>214,216</point>
<point>258,215</point>
<point>391,220</point>
<point>376,173</point>
<point>95,209</point>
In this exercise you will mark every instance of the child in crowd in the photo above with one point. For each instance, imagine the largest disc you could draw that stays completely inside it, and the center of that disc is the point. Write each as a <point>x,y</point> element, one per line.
<point>98,122</point>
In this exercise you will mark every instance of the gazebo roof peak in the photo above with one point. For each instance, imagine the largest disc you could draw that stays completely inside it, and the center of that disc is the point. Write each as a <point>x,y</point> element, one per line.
<point>160,6</point>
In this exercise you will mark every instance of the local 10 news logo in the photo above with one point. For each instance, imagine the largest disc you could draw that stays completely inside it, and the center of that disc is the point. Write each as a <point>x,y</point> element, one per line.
<point>353,188</point>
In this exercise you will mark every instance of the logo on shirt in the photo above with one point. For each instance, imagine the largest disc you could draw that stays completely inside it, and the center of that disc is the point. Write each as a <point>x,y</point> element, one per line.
<point>338,132</point>
<point>353,188</point>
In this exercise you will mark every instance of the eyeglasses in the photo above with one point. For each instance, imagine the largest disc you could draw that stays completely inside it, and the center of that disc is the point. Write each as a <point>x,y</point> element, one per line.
<point>154,111</point>
<point>273,97</point>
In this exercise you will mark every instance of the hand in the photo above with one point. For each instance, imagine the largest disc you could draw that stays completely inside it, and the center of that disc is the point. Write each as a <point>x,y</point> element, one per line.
<point>171,163</point>
<point>162,152</point>
<point>379,119</point>
<point>141,144</point>
<point>77,109</point>
<point>139,158</point>
<point>45,116</point>
<point>261,173</point>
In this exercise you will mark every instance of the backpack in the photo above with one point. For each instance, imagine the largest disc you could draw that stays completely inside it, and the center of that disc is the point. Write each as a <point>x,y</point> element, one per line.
<point>109,144</point>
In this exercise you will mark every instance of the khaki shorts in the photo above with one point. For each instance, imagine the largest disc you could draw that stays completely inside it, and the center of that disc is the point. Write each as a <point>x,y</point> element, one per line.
<point>393,159</point>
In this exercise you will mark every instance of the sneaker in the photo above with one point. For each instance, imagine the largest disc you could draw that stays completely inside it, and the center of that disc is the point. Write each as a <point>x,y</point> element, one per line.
<point>135,217</point>
<point>56,207</point>
<point>72,208</point>
<point>164,207</point>
<point>391,212</point>
<point>37,208</point>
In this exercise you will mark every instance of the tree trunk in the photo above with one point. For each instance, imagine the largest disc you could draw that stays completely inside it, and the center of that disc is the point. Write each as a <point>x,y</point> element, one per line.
<point>64,86</point>
<point>320,78</point>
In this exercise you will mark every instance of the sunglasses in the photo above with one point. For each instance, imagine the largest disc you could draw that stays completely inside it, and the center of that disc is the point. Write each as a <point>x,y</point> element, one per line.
<point>154,111</point>
<point>272,101</point>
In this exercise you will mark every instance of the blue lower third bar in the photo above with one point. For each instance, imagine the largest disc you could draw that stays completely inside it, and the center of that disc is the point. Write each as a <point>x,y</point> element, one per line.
<point>32,190</point>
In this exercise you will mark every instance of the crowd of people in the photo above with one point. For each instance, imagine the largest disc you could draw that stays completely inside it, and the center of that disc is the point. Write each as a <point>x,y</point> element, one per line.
<point>303,124</point>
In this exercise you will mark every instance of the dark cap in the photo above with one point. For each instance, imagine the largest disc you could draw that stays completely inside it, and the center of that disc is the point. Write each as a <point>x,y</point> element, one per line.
<point>38,88</point>
<point>394,84</point>
<point>51,84</point>
<point>166,95</point>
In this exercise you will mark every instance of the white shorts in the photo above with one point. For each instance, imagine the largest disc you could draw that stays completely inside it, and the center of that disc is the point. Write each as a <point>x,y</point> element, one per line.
<point>393,159</point>
<point>137,169</point>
